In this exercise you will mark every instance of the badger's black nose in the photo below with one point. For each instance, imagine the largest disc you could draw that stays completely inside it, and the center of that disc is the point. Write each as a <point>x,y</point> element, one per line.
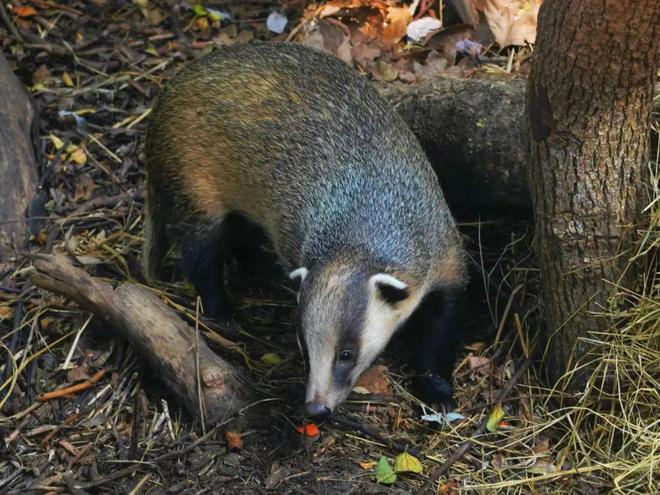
<point>317,410</point>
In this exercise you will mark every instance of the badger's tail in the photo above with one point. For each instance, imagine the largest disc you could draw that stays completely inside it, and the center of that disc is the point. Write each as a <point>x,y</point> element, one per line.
<point>155,245</point>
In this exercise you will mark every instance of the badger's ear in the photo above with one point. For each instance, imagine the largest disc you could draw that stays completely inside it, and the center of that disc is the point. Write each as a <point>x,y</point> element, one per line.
<point>297,276</point>
<point>389,288</point>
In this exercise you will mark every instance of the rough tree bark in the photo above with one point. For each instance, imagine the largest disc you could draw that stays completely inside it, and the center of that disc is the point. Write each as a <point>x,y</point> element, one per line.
<point>18,170</point>
<point>589,104</point>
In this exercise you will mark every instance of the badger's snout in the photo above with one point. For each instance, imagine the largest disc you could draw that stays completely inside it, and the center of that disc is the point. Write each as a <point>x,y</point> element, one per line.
<point>317,409</point>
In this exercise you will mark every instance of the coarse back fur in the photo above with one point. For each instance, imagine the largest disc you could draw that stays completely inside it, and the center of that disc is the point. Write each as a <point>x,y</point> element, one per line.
<point>272,131</point>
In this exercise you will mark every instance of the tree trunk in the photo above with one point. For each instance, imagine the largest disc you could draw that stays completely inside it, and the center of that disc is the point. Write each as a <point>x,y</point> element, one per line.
<point>18,169</point>
<point>475,134</point>
<point>589,109</point>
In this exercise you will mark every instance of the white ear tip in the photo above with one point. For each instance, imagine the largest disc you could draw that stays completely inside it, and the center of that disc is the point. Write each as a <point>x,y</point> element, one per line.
<point>300,273</point>
<point>384,278</point>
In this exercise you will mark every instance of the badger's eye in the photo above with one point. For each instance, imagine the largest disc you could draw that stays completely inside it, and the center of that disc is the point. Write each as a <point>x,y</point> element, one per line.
<point>345,356</point>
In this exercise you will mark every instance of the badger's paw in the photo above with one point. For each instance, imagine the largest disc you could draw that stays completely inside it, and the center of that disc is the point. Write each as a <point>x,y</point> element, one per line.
<point>436,391</point>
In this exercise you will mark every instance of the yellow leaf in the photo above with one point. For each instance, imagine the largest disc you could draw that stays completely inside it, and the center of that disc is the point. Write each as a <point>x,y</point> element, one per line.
<point>407,463</point>
<point>79,156</point>
<point>57,142</point>
<point>66,78</point>
<point>271,359</point>
<point>366,465</point>
<point>495,417</point>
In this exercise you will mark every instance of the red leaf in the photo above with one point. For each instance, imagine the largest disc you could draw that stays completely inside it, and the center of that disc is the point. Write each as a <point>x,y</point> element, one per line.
<point>310,429</point>
<point>234,440</point>
<point>25,11</point>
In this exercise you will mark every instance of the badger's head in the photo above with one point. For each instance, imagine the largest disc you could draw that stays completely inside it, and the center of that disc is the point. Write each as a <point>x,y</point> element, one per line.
<point>347,316</point>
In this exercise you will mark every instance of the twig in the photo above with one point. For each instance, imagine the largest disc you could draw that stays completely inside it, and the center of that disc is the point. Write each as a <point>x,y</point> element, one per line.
<point>74,389</point>
<point>371,432</point>
<point>130,469</point>
<point>458,453</point>
<point>10,25</point>
<point>135,427</point>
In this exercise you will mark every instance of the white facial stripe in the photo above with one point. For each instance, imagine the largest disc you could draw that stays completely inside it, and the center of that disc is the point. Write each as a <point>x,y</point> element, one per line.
<point>300,273</point>
<point>384,278</point>
<point>379,324</point>
<point>382,320</point>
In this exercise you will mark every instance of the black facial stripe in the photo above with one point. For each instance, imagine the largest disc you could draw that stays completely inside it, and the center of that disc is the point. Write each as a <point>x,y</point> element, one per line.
<point>351,323</point>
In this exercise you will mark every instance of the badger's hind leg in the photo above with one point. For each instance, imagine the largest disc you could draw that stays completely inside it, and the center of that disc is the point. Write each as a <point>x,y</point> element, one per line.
<point>435,328</point>
<point>203,264</point>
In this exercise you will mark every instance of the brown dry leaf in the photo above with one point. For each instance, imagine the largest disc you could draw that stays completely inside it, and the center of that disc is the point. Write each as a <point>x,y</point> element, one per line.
<point>40,75</point>
<point>479,363</point>
<point>542,448</point>
<point>476,346</point>
<point>277,475</point>
<point>84,188</point>
<point>6,312</point>
<point>398,19</point>
<point>446,41</point>
<point>376,380</point>
<point>435,64</point>
<point>78,374</point>
<point>498,462</point>
<point>364,53</point>
<point>452,487</point>
<point>384,71</point>
<point>512,22</point>
<point>336,40</point>
<point>234,440</point>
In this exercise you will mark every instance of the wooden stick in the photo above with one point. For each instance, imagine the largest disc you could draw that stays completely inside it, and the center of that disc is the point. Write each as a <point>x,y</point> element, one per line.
<point>74,389</point>
<point>155,331</point>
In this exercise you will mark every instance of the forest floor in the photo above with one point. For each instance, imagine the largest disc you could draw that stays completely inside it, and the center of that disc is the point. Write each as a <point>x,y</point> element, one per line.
<point>94,69</point>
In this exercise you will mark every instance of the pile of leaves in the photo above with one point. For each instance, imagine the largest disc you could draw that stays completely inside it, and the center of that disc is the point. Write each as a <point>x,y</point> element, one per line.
<point>80,413</point>
<point>411,42</point>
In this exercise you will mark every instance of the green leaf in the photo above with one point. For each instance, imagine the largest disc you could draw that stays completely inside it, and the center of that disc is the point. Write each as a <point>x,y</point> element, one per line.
<point>200,10</point>
<point>407,463</point>
<point>384,473</point>
<point>271,358</point>
<point>495,417</point>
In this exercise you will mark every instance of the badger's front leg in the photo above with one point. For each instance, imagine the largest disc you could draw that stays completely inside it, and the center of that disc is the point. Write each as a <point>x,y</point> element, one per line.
<point>435,330</point>
<point>203,264</point>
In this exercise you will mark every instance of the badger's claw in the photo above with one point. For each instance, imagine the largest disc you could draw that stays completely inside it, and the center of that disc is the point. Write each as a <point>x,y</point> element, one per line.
<point>435,391</point>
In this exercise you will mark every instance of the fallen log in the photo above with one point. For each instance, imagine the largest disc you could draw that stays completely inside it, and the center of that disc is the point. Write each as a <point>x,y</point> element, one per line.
<point>18,166</point>
<point>181,359</point>
<point>474,132</point>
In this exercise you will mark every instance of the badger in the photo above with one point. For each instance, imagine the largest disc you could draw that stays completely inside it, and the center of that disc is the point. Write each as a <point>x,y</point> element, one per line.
<point>292,140</point>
